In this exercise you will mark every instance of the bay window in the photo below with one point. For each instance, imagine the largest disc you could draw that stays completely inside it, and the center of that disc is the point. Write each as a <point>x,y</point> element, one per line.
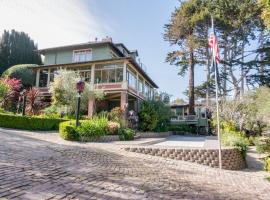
<point>108,73</point>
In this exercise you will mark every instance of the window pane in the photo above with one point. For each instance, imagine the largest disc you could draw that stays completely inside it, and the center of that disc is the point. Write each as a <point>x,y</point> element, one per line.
<point>104,78</point>
<point>82,55</point>
<point>132,80</point>
<point>43,78</point>
<point>111,76</point>
<point>98,76</point>
<point>119,74</point>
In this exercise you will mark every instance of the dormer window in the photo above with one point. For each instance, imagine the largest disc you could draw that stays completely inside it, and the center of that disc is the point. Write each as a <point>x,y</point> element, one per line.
<point>82,55</point>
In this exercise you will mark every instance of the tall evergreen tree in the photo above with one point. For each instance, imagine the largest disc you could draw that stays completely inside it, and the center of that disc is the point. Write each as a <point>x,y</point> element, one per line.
<point>187,30</point>
<point>17,48</point>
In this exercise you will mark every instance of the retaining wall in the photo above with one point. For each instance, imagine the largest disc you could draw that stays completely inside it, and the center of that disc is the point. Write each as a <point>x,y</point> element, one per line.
<point>232,159</point>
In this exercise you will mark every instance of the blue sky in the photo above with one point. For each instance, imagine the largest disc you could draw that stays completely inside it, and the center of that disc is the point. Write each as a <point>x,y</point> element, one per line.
<point>136,23</point>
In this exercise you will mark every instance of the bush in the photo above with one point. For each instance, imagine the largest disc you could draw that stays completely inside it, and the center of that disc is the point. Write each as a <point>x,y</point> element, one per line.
<point>263,145</point>
<point>253,140</point>
<point>116,114</point>
<point>148,117</point>
<point>4,90</point>
<point>28,123</point>
<point>267,164</point>
<point>235,139</point>
<point>113,127</point>
<point>163,116</point>
<point>126,134</point>
<point>23,73</point>
<point>67,131</point>
<point>183,128</point>
<point>93,128</point>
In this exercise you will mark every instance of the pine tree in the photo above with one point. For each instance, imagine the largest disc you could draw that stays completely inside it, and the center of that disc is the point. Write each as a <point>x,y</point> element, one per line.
<point>17,48</point>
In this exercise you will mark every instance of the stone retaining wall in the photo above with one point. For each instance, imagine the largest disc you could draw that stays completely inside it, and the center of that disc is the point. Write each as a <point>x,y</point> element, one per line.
<point>153,134</point>
<point>232,159</point>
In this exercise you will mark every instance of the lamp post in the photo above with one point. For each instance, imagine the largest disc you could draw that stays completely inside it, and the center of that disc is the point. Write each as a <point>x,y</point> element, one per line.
<point>23,94</point>
<point>80,87</point>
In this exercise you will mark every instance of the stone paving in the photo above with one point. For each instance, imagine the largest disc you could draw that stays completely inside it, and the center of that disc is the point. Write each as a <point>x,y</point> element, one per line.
<point>42,166</point>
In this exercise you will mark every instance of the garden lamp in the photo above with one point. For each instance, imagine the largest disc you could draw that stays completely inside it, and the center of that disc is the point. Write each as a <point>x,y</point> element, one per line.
<point>80,88</point>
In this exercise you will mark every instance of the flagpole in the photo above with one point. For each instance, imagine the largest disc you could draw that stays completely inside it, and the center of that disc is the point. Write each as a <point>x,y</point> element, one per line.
<point>214,64</point>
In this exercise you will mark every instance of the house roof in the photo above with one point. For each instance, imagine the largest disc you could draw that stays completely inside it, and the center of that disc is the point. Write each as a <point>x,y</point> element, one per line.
<point>81,45</point>
<point>130,59</point>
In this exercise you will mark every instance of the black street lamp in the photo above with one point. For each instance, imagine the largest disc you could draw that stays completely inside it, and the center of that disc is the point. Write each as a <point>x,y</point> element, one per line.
<point>80,87</point>
<point>23,94</point>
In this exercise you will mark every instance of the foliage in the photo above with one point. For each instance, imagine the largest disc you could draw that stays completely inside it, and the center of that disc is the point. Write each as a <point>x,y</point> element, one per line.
<point>4,90</point>
<point>178,101</point>
<point>163,97</point>
<point>148,117</point>
<point>200,91</point>
<point>186,31</point>
<point>11,98</point>
<point>67,131</point>
<point>23,73</point>
<point>183,128</point>
<point>34,102</point>
<point>126,134</point>
<point>113,127</point>
<point>93,128</point>
<point>51,112</point>
<point>265,15</point>
<point>262,103</point>
<point>235,139</point>
<point>17,48</point>
<point>163,115</point>
<point>116,114</point>
<point>263,145</point>
<point>267,165</point>
<point>28,122</point>
<point>64,92</point>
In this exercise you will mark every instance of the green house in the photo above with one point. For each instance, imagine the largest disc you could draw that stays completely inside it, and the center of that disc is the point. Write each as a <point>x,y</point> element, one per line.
<point>104,64</point>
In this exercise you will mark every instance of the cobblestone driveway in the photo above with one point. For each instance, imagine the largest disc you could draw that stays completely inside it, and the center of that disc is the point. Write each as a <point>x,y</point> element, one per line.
<point>31,168</point>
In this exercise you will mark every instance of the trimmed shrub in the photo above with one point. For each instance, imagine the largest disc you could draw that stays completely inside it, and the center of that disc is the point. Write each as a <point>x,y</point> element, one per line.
<point>29,123</point>
<point>23,73</point>
<point>126,134</point>
<point>93,128</point>
<point>67,131</point>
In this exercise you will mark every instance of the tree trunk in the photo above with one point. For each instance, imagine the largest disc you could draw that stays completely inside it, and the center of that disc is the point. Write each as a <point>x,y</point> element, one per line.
<point>191,109</point>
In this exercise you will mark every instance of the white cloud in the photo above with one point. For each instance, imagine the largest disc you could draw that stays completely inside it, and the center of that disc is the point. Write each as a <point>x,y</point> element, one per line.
<point>52,22</point>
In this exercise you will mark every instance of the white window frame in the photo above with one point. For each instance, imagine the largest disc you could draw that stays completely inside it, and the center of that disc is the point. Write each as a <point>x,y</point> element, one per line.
<point>78,50</point>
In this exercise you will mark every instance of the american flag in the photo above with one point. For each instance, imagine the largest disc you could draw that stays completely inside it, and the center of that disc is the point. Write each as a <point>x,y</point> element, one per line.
<point>213,45</point>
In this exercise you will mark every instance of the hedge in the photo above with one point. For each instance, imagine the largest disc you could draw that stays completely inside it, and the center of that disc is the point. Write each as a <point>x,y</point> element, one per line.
<point>67,131</point>
<point>29,122</point>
